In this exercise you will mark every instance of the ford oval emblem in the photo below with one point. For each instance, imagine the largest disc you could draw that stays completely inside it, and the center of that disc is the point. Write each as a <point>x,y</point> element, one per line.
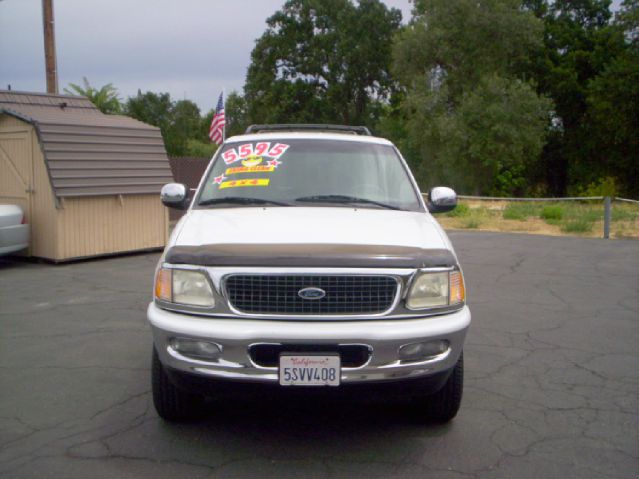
<point>311,293</point>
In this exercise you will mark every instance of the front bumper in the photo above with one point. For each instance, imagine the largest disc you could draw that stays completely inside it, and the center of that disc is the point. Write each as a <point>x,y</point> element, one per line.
<point>384,338</point>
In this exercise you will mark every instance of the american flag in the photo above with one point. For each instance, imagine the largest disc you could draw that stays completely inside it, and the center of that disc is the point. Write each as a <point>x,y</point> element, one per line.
<point>216,132</point>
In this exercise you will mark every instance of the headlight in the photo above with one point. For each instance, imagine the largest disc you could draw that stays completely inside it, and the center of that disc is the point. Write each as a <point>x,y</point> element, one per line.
<point>431,290</point>
<point>184,287</point>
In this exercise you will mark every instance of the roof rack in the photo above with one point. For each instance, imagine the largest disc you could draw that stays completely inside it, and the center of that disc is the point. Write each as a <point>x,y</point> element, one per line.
<point>353,130</point>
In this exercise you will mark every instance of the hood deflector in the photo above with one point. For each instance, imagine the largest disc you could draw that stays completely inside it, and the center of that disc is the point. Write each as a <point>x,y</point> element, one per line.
<point>311,255</point>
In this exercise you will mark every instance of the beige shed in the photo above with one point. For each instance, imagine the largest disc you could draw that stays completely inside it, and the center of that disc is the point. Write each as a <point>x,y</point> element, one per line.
<point>88,182</point>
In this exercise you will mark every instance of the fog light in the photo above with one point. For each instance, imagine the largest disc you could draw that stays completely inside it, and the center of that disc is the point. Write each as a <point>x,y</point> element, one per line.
<point>196,349</point>
<point>422,351</point>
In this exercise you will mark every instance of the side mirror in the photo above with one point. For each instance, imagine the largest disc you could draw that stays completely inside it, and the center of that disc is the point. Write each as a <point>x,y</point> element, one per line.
<point>175,195</point>
<point>441,199</point>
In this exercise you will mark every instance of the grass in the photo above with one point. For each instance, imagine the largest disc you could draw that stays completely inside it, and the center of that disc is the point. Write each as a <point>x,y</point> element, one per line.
<point>472,223</point>
<point>577,226</point>
<point>624,214</point>
<point>520,211</point>
<point>552,212</point>
<point>467,217</point>
<point>475,217</point>
<point>461,210</point>
<point>555,218</point>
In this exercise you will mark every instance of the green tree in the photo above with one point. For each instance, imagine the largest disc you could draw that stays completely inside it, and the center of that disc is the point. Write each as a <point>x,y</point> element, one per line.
<point>628,21</point>
<point>186,119</point>
<point>470,116</point>
<point>157,109</point>
<point>153,108</point>
<point>322,61</point>
<point>186,123</point>
<point>486,144</point>
<point>106,98</point>
<point>199,149</point>
<point>613,105</point>
<point>236,114</point>
<point>579,44</point>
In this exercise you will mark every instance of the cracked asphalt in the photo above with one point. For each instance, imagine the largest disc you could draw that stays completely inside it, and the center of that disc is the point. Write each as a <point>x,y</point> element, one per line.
<point>551,390</point>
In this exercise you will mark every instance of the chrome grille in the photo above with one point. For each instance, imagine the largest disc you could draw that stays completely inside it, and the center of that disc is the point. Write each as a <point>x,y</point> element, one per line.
<point>278,294</point>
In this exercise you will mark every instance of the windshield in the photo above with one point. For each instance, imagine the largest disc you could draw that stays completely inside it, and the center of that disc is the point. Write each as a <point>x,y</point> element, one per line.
<point>309,172</point>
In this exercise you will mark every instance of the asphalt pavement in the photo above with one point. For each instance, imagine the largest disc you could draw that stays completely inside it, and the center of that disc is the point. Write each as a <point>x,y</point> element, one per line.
<point>551,391</point>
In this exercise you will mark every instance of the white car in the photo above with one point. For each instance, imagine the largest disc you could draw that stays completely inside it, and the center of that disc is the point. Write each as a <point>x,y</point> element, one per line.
<point>308,259</point>
<point>14,230</point>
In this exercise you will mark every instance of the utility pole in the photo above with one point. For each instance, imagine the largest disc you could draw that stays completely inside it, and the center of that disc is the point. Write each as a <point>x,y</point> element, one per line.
<point>49,47</point>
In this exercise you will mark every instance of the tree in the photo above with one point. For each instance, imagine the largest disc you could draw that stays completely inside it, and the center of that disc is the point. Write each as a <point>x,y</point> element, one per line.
<point>628,21</point>
<point>157,109</point>
<point>475,123</point>
<point>613,106</point>
<point>186,119</point>
<point>322,61</point>
<point>486,144</point>
<point>153,108</point>
<point>236,114</point>
<point>457,43</point>
<point>579,44</point>
<point>105,99</point>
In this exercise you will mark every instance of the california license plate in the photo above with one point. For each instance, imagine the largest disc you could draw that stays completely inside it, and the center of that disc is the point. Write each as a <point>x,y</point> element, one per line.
<point>309,370</point>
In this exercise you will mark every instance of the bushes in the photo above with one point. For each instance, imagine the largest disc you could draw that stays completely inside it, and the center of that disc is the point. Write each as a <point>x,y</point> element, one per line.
<point>461,210</point>
<point>603,187</point>
<point>520,211</point>
<point>574,217</point>
<point>552,213</point>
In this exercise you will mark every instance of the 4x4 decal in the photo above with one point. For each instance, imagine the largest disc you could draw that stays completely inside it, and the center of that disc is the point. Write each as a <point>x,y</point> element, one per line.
<point>238,183</point>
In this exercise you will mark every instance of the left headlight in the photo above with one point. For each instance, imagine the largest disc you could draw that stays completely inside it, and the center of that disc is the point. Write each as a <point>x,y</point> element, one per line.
<point>184,287</point>
<point>432,290</point>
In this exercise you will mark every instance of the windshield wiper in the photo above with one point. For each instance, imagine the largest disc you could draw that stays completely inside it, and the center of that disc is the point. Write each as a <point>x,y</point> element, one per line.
<point>241,200</point>
<point>344,199</point>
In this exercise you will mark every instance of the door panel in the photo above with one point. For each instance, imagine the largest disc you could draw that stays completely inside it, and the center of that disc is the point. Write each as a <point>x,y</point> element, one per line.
<point>16,170</point>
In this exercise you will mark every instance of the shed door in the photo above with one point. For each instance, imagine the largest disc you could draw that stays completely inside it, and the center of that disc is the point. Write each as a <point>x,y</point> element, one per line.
<point>16,169</point>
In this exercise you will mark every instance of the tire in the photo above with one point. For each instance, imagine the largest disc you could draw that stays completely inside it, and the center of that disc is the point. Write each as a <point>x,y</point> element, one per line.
<point>171,403</point>
<point>443,405</point>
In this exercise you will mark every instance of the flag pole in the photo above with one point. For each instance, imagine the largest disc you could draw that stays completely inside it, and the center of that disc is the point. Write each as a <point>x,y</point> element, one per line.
<point>224,108</point>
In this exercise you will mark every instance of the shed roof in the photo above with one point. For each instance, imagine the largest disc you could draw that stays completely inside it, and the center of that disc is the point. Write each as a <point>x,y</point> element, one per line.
<point>88,153</point>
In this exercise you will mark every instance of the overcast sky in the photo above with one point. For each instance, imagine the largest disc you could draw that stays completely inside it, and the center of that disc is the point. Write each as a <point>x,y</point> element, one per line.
<point>189,48</point>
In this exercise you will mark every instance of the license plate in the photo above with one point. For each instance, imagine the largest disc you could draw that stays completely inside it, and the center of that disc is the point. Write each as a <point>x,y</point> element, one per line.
<point>309,370</point>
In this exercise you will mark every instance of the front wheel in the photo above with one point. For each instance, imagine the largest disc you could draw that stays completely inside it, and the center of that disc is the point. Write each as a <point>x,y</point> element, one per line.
<point>443,405</point>
<point>172,403</point>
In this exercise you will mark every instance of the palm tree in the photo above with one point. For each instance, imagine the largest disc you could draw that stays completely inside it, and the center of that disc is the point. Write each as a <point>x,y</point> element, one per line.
<point>106,99</point>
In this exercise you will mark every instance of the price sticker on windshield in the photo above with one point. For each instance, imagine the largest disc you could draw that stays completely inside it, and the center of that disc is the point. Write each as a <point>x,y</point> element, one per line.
<point>278,150</point>
<point>255,152</point>
<point>230,156</point>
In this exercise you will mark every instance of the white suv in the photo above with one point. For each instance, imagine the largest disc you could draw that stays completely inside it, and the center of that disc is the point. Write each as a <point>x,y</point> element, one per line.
<point>307,259</point>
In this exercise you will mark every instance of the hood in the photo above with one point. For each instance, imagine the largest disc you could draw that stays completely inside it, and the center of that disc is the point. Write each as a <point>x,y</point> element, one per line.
<point>309,237</point>
<point>306,225</point>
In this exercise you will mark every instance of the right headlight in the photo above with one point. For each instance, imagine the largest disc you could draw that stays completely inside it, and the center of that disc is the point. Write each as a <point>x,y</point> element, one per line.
<point>432,290</point>
<point>182,286</point>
